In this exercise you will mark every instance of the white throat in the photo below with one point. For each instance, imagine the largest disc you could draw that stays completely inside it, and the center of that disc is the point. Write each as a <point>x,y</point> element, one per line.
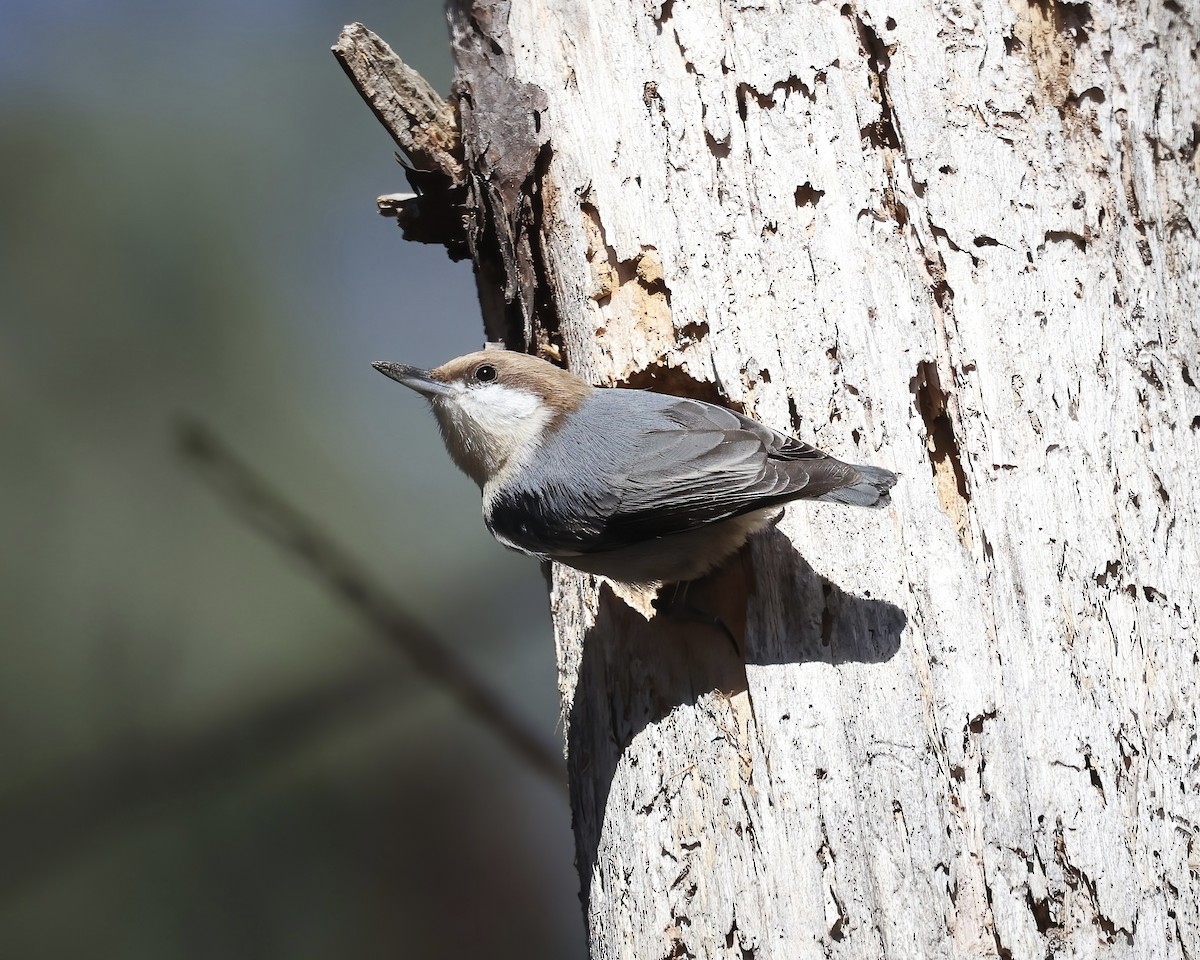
<point>490,429</point>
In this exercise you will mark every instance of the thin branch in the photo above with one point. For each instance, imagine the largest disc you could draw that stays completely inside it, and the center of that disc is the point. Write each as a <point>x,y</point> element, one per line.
<point>251,498</point>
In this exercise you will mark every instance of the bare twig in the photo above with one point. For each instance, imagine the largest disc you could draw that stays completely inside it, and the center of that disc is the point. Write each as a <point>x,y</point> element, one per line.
<point>263,508</point>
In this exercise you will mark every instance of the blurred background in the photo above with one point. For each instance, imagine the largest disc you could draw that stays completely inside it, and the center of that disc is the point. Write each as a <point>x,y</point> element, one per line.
<point>204,752</point>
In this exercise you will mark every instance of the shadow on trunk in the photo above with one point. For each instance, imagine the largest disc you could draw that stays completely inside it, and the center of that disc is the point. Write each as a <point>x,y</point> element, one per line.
<point>634,672</point>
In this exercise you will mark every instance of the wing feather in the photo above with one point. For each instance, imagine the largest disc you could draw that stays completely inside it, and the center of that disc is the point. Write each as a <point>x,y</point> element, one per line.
<point>681,464</point>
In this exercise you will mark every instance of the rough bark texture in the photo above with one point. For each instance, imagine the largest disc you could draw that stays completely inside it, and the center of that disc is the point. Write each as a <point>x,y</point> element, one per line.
<point>956,240</point>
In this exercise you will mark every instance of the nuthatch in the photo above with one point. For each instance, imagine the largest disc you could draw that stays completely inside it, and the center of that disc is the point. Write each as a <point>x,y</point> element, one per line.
<point>638,487</point>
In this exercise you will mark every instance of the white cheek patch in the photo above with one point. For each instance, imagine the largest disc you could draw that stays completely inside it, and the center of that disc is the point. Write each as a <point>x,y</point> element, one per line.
<point>504,411</point>
<point>496,402</point>
<point>492,428</point>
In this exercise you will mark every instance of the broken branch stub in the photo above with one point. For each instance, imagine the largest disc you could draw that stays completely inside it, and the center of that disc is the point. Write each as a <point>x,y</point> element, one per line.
<point>423,125</point>
<point>425,128</point>
<point>476,172</point>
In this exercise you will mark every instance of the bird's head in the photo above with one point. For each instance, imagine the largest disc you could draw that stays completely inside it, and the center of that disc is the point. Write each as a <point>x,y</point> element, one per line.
<point>494,407</point>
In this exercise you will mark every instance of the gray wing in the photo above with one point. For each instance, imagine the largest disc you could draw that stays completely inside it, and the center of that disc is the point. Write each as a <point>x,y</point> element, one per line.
<point>704,464</point>
<point>674,465</point>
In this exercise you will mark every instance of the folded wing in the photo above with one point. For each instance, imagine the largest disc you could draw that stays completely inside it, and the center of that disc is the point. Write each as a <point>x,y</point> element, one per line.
<point>681,465</point>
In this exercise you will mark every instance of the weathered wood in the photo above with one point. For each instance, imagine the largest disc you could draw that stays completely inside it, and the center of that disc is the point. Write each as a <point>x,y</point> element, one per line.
<point>957,241</point>
<point>421,122</point>
<point>425,127</point>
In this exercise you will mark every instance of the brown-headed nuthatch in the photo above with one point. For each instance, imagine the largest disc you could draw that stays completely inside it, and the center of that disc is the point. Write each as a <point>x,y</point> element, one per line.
<point>637,487</point>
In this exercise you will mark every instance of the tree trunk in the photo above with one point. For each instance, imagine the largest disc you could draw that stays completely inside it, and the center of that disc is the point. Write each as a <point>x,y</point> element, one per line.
<point>958,241</point>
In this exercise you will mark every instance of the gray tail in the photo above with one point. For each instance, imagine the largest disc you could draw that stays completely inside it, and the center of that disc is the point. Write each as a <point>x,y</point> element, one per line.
<point>871,491</point>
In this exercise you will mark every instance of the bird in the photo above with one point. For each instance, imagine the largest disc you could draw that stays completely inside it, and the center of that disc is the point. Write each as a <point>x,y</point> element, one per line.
<point>638,487</point>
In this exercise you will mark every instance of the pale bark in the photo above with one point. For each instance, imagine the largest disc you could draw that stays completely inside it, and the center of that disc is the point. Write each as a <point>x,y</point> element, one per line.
<point>955,240</point>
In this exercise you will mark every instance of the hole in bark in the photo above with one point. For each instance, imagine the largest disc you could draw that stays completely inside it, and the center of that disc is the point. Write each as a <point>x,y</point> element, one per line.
<point>944,458</point>
<point>1066,236</point>
<point>986,242</point>
<point>1189,147</point>
<point>1072,19</point>
<point>889,24</point>
<point>1090,95</point>
<point>882,133</point>
<point>1112,570</point>
<point>1187,376</point>
<point>677,383</point>
<point>718,148</point>
<point>795,419</point>
<point>1094,776</point>
<point>976,725</point>
<point>794,84</point>
<point>808,196</point>
<point>1041,913</point>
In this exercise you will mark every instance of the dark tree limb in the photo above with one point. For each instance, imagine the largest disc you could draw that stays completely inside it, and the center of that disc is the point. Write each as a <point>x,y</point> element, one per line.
<point>263,508</point>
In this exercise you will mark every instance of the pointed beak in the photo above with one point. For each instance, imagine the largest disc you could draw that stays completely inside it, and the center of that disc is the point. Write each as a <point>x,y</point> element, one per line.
<point>412,377</point>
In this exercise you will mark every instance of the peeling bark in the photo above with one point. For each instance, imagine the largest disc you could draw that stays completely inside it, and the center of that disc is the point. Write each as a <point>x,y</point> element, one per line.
<point>959,241</point>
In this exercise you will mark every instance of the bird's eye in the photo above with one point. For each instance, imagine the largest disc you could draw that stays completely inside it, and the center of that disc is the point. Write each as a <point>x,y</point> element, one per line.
<point>486,373</point>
